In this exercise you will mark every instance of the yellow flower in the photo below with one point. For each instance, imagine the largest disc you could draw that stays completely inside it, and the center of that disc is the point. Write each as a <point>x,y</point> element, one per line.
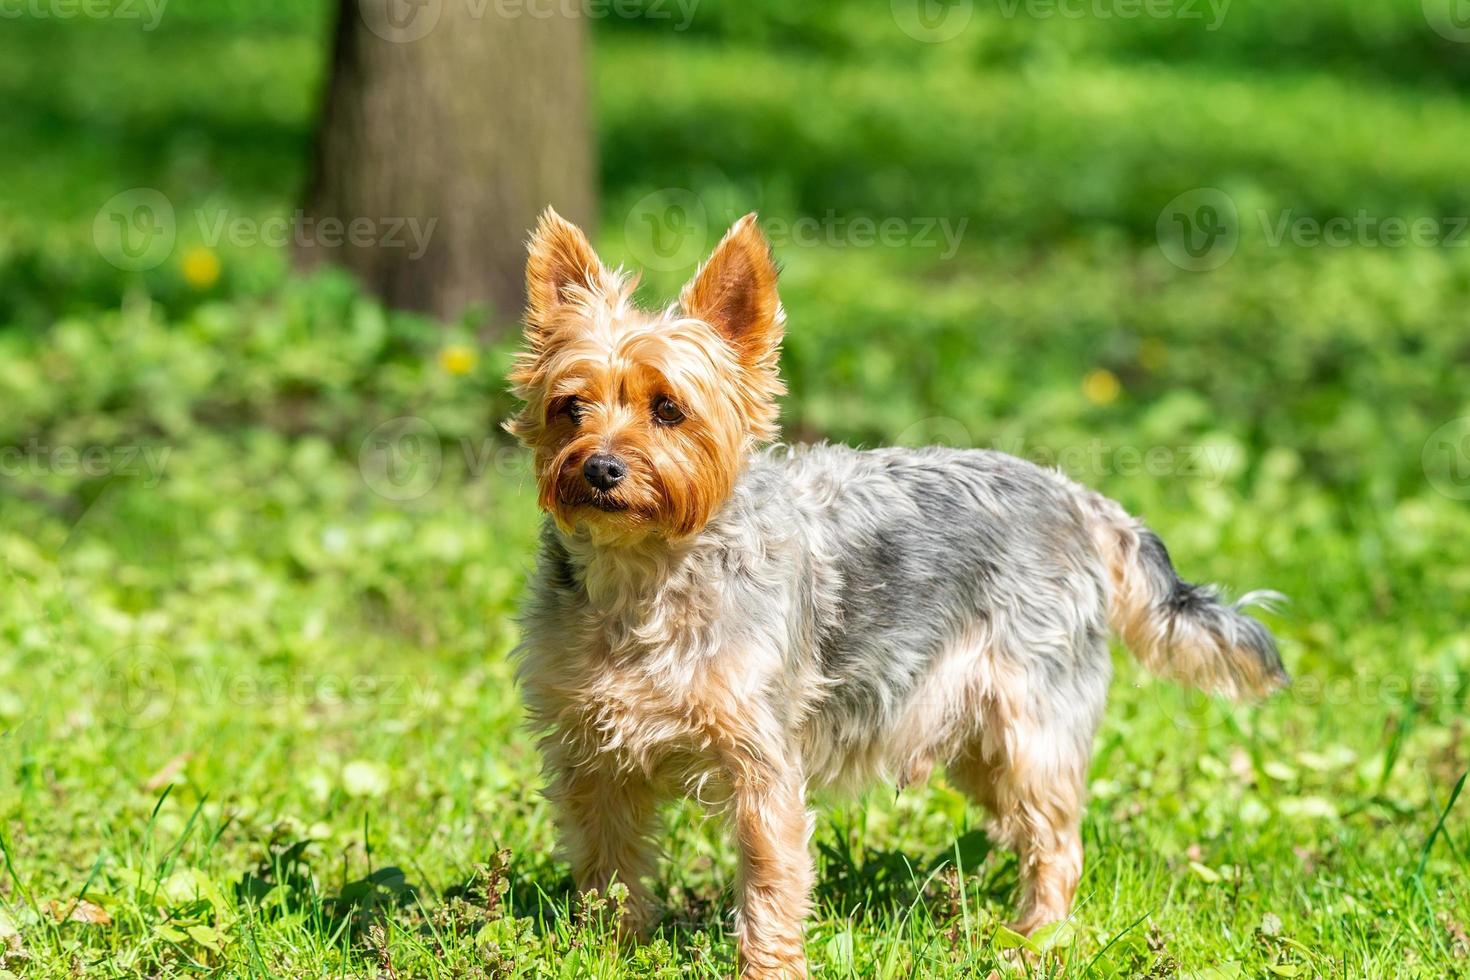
<point>1101,387</point>
<point>458,359</point>
<point>201,267</point>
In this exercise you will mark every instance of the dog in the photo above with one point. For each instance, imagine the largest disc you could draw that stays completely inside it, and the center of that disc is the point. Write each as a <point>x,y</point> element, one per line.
<point>714,616</point>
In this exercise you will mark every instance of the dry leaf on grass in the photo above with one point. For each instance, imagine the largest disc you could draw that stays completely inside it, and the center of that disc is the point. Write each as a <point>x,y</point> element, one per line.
<point>12,953</point>
<point>165,775</point>
<point>1459,938</point>
<point>79,911</point>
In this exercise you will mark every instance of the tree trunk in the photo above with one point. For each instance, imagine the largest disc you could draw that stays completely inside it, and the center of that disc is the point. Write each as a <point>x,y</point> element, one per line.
<point>448,126</point>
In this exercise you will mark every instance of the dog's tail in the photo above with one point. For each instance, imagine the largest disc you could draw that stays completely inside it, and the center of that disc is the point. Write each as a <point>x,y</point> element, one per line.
<point>1181,631</point>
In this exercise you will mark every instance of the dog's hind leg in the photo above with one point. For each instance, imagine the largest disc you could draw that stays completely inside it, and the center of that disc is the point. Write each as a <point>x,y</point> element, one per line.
<point>1029,769</point>
<point>1036,806</point>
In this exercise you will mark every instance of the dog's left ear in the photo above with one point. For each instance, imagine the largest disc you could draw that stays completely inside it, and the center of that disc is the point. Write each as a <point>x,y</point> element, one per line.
<point>735,292</point>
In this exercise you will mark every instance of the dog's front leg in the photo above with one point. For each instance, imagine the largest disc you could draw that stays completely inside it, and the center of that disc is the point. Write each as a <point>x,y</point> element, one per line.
<point>772,828</point>
<point>605,820</point>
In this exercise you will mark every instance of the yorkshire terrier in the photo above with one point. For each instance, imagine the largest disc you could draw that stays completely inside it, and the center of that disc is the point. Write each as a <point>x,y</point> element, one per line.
<point>746,625</point>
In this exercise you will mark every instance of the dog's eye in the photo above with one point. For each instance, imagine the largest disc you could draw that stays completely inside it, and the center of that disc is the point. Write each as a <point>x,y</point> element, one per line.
<point>666,411</point>
<point>572,408</point>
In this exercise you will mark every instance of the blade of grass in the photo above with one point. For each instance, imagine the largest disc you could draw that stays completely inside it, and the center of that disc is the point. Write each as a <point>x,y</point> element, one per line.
<point>1087,971</point>
<point>1439,826</point>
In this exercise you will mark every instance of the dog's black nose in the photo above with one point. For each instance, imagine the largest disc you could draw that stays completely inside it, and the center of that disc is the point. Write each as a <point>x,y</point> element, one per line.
<point>604,471</point>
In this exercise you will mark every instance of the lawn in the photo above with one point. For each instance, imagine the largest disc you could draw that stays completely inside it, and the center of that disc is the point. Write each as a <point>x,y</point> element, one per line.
<point>263,541</point>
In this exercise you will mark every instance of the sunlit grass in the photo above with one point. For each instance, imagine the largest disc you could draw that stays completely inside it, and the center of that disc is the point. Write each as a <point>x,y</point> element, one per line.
<point>256,713</point>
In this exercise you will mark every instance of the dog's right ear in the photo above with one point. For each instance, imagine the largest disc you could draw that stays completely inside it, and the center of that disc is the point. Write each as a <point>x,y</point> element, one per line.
<point>561,265</point>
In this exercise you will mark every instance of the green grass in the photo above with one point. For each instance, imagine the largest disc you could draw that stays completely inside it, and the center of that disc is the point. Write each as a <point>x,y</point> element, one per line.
<point>255,704</point>
<point>234,697</point>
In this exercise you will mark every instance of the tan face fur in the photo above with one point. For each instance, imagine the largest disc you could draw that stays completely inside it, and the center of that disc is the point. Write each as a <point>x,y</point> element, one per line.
<point>673,402</point>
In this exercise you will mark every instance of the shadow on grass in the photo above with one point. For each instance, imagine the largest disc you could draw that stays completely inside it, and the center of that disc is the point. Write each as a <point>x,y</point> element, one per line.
<point>857,883</point>
<point>853,883</point>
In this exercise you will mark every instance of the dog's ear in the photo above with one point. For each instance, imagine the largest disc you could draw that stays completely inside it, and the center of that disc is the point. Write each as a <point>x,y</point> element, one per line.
<point>561,263</point>
<point>735,292</point>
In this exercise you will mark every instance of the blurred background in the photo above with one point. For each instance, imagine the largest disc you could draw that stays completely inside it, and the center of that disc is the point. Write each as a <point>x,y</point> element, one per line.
<point>260,274</point>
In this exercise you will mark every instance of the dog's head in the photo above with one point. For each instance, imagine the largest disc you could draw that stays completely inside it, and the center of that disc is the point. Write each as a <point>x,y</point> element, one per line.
<point>640,422</point>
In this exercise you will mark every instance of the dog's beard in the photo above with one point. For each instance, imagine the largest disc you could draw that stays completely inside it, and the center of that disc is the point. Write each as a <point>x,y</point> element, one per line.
<point>600,500</point>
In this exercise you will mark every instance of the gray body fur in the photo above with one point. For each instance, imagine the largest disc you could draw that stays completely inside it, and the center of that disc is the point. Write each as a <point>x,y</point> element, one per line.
<point>893,608</point>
